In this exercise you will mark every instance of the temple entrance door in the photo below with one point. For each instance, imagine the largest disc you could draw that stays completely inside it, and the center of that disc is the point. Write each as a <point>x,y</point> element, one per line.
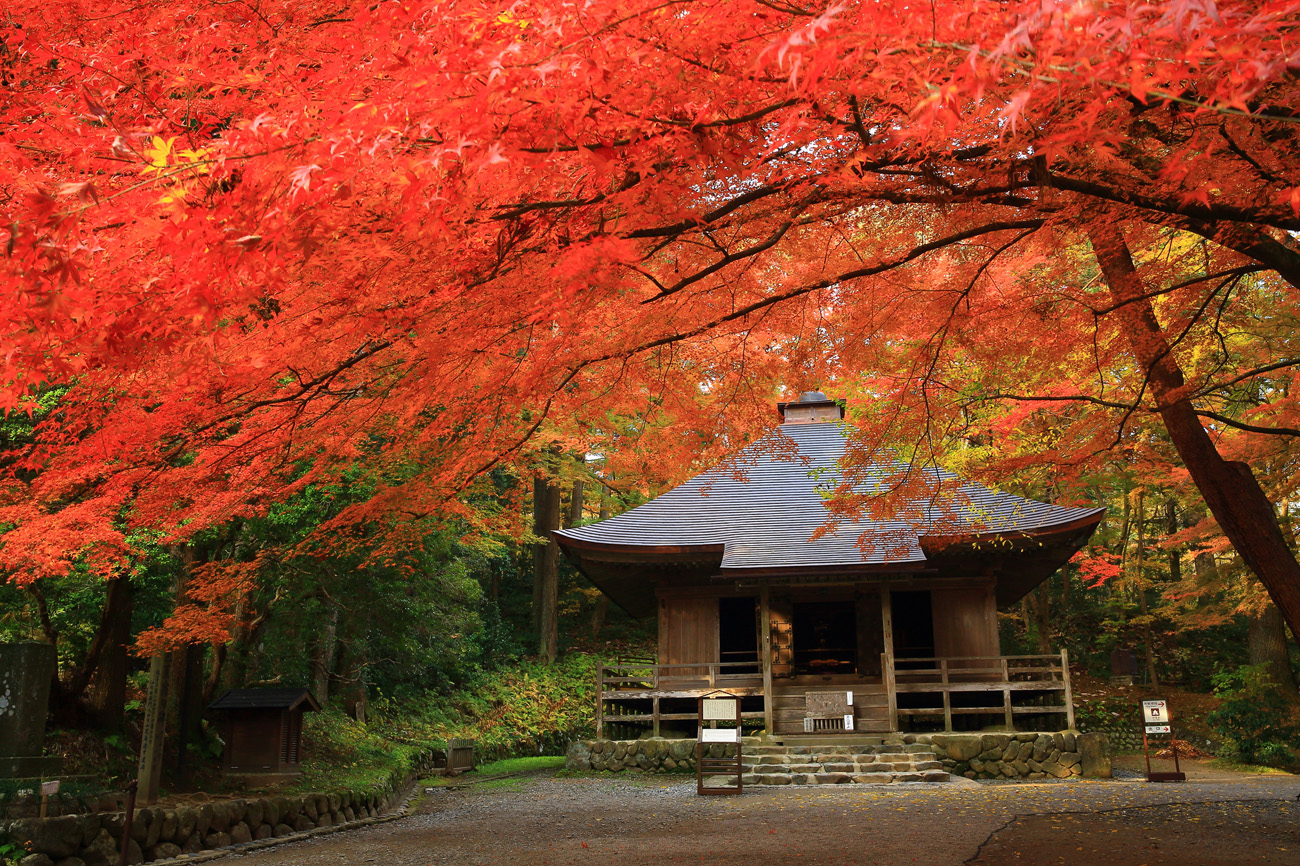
<point>738,633</point>
<point>825,638</point>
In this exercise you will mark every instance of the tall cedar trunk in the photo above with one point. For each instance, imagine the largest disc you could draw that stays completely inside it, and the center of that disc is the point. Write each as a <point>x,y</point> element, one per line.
<point>322,661</point>
<point>601,610</point>
<point>185,671</point>
<point>575,503</point>
<point>1175,555</point>
<point>352,679</point>
<point>546,566</point>
<point>1236,500</point>
<point>1266,639</point>
<point>1043,618</point>
<point>1148,639</point>
<point>108,692</point>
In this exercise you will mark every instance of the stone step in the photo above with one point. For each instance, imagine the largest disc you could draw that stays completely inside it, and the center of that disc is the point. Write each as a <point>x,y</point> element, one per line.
<point>842,778</point>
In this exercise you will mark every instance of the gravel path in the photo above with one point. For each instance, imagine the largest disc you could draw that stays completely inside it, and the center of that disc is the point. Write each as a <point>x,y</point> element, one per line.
<point>542,820</point>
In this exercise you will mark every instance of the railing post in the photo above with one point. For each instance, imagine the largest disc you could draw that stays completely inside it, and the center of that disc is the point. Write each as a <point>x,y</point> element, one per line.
<point>600,700</point>
<point>1006,694</point>
<point>887,665</point>
<point>1069,689</point>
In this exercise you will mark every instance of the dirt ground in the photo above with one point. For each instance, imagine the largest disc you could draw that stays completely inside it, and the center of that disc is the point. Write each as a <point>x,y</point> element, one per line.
<point>1214,818</point>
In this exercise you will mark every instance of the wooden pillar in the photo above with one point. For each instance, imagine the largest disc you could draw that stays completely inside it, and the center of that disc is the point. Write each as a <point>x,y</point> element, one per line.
<point>887,662</point>
<point>765,654</point>
<point>600,700</point>
<point>655,713</point>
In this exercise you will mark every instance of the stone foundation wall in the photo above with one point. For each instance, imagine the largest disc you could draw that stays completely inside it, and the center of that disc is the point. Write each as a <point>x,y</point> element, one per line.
<point>975,756</point>
<point>652,755</point>
<point>1021,755</point>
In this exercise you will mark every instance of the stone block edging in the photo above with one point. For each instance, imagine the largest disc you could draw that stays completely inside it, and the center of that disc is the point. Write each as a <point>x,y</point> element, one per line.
<point>206,831</point>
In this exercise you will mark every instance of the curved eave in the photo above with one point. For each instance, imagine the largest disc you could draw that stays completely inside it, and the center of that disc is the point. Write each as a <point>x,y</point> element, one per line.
<point>1026,557</point>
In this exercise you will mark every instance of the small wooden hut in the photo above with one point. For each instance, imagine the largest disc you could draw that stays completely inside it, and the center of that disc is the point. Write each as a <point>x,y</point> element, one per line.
<point>263,731</point>
<point>893,616</point>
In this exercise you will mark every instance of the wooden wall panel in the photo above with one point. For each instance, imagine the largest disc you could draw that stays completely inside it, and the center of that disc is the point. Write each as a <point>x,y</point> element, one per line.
<point>965,622</point>
<point>688,630</point>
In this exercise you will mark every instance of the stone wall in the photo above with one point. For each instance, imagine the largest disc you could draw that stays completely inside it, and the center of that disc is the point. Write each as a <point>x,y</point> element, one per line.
<point>651,755</point>
<point>1021,755</point>
<point>975,756</point>
<point>1128,738</point>
<point>159,833</point>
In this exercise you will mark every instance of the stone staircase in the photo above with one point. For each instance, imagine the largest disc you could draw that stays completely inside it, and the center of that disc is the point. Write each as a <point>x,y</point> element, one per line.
<point>838,760</point>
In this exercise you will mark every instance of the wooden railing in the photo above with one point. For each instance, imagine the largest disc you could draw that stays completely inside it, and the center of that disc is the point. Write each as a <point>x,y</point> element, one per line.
<point>628,681</point>
<point>1005,674</point>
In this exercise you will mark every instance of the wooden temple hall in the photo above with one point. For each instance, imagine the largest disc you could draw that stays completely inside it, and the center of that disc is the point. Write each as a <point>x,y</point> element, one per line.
<point>877,625</point>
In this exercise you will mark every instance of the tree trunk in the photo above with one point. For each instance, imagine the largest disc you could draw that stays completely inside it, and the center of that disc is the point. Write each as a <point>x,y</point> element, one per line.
<point>1175,555</point>
<point>108,691</point>
<point>601,610</point>
<point>546,567</point>
<point>1234,496</point>
<point>185,672</point>
<point>322,661</point>
<point>1043,618</point>
<point>352,680</point>
<point>575,503</point>
<point>1148,640</point>
<point>1266,638</point>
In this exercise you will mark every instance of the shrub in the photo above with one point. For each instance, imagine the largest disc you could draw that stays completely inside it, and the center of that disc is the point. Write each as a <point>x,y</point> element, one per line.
<point>1254,719</point>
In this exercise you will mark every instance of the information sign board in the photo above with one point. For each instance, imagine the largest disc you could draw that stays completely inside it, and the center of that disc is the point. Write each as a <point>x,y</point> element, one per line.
<point>1155,712</point>
<point>723,709</point>
<point>1157,729</point>
<point>48,788</point>
<point>719,735</point>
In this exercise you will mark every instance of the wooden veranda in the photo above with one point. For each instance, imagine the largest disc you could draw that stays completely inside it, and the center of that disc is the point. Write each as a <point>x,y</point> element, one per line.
<point>644,695</point>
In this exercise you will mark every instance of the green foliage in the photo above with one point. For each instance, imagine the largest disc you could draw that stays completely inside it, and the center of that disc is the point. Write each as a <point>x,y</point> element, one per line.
<point>11,852</point>
<point>521,765</point>
<point>1254,719</point>
<point>1094,715</point>
<point>341,755</point>
<point>525,709</point>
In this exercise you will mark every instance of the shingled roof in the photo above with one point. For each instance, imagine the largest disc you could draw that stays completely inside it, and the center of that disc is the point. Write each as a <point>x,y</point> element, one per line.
<point>264,699</point>
<point>755,516</point>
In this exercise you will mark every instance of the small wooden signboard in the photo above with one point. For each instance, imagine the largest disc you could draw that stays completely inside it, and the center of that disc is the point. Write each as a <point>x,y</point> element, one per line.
<point>715,708</point>
<point>1156,720</point>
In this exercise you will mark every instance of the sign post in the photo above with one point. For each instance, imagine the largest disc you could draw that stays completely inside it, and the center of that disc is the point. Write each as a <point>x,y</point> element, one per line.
<point>720,707</point>
<point>1156,720</point>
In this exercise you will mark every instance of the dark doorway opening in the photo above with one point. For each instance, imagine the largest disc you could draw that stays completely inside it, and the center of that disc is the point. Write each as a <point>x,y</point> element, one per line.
<point>738,634</point>
<point>825,638</point>
<point>913,619</point>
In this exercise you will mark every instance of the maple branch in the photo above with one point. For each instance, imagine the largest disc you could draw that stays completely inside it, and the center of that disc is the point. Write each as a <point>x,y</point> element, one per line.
<point>1249,374</point>
<point>1230,272</point>
<point>1250,428</point>
<point>912,254</point>
<point>727,259</point>
<point>1277,217</point>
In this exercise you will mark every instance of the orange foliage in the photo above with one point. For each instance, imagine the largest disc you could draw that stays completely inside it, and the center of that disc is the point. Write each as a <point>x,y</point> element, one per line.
<point>264,243</point>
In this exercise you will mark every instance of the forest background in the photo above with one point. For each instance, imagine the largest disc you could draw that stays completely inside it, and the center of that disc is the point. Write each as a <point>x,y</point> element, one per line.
<point>314,324</point>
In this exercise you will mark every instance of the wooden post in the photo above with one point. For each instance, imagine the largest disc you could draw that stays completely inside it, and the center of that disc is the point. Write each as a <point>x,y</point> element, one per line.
<point>887,660</point>
<point>887,667</point>
<point>947,696</point>
<point>655,713</point>
<point>600,700</point>
<point>765,653</point>
<point>151,739</point>
<point>1006,695</point>
<point>1069,689</point>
